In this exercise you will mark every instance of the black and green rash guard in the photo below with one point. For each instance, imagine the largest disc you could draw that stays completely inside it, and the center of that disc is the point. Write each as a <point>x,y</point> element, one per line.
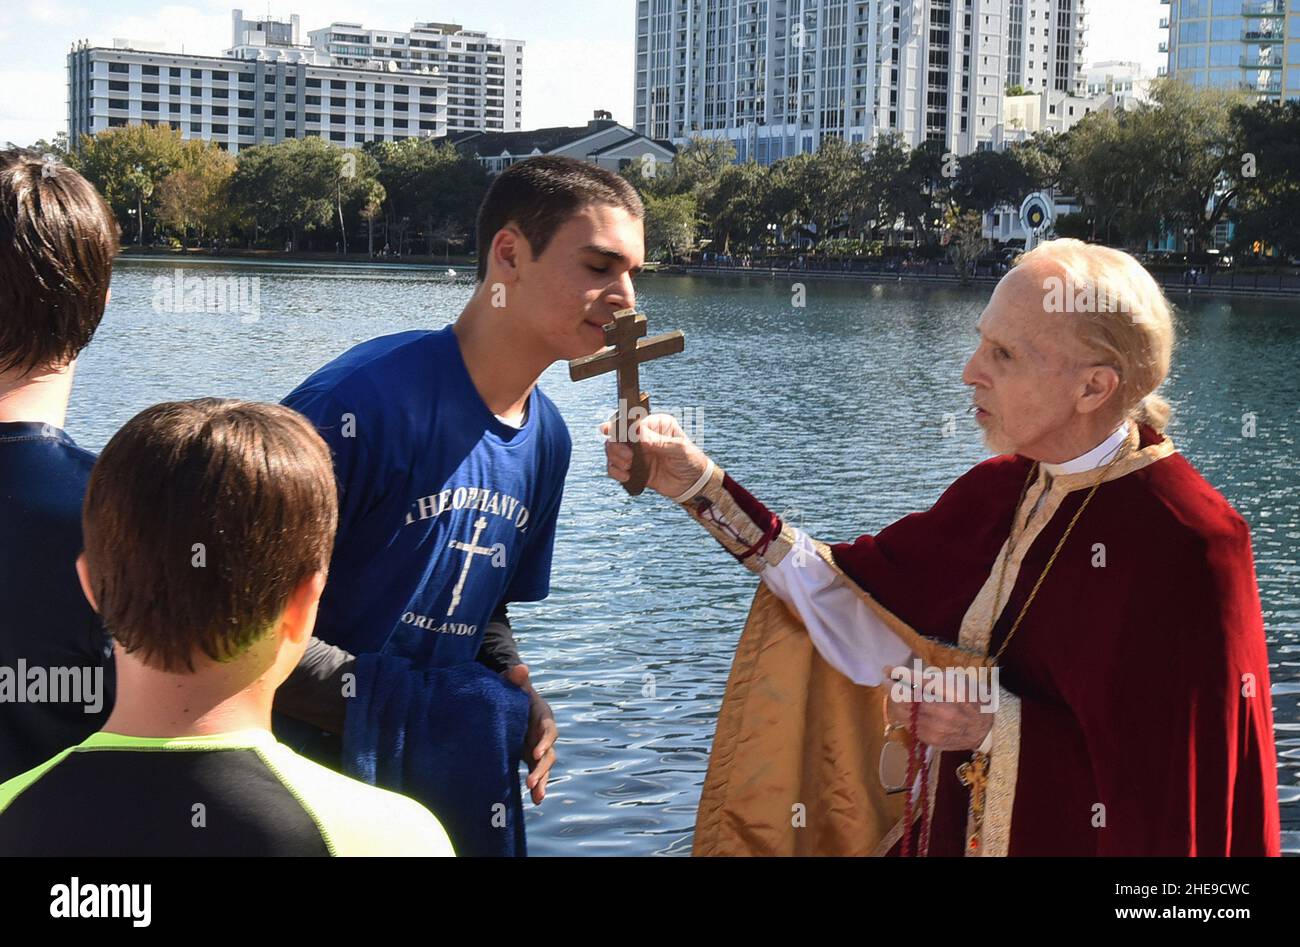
<point>239,793</point>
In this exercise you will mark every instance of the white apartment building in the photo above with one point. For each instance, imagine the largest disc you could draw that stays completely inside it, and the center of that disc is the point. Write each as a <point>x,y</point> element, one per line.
<point>484,74</point>
<point>1045,45</point>
<point>1055,112</point>
<point>776,76</point>
<point>238,103</point>
<point>1108,86</point>
<point>269,86</point>
<point>1129,82</point>
<point>944,72</point>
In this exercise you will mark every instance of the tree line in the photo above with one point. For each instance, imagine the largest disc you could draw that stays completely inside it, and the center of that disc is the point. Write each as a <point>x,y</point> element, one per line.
<point>418,195</point>
<point>1178,164</point>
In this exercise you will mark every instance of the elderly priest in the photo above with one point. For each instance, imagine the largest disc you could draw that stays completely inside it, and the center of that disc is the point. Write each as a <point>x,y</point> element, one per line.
<point>1100,592</point>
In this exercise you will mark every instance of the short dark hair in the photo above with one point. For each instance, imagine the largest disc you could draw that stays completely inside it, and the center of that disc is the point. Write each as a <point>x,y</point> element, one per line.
<point>57,242</point>
<point>200,520</point>
<point>538,195</point>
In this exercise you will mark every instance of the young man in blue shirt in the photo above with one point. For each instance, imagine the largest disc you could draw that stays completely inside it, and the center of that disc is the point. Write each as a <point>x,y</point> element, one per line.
<point>450,461</point>
<point>57,243</point>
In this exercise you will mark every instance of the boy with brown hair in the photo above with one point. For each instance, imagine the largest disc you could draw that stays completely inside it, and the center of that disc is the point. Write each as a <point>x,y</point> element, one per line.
<point>208,530</point>
<point>58,239</point>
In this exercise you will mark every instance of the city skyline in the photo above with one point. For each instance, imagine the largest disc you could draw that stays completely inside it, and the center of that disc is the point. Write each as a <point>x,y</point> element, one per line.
<point>577,63</point>
<point>777,81</point>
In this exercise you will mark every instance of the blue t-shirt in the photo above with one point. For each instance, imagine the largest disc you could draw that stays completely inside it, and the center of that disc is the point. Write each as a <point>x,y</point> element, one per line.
<point>445,511</point>
<point>56,661</point>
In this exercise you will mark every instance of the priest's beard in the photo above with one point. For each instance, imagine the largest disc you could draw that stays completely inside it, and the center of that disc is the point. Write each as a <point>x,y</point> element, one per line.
<point>996,442</point>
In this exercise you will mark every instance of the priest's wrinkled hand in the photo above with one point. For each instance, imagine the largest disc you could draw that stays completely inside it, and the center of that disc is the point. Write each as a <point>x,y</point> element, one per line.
<point>539,742</point>
<point>675,462</point>
<point>953,723</point>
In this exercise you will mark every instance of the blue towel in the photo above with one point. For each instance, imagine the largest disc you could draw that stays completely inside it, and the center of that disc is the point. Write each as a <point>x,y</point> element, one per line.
<point>450,738</point>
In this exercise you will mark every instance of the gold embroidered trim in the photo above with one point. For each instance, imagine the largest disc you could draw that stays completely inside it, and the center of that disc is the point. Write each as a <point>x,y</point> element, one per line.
<point>717,511</point>
<point>788,540</point>
<point>1000,792</point>
<point>1135,461</point>
<point>977,624</point>
<point>889,841</point>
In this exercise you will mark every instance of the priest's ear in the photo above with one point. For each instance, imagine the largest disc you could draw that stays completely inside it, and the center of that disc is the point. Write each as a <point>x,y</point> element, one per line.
<point>1100,384</point>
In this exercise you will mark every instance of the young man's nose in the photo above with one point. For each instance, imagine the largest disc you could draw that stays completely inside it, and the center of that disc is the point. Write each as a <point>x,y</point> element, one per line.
<point>623,296</point>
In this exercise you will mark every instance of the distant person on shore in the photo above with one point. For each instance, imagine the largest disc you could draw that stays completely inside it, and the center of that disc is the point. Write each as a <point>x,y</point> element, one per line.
<point>208,526</point>
<point>450,464</point>
<point>58,239</point>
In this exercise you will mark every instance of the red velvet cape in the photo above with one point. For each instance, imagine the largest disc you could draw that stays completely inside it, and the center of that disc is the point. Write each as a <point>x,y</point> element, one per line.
<point>1130,676</point>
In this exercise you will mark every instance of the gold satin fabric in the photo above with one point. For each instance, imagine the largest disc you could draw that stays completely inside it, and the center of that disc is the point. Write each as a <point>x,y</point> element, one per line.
<point>793,731</point>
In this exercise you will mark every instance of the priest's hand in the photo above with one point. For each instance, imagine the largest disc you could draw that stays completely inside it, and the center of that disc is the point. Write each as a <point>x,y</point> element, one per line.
<point>675,462</point>
<point>954,723</point>
<point>539,742</point>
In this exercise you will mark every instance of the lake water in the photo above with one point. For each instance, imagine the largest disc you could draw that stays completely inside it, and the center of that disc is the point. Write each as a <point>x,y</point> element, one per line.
<point>838,414</point>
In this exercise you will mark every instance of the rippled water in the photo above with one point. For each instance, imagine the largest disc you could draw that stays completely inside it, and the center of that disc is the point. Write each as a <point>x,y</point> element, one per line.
<point>833,413</point>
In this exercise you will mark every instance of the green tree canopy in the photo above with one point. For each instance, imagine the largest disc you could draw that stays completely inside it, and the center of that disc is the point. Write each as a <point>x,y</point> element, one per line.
<point>670,225</point>
<point>196,196</point>
<point>290,186</point>
<point>127,165</point>
<point>1267,172</point>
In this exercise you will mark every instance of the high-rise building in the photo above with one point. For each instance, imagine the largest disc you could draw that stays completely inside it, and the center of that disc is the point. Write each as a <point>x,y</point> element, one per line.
<point>944,72</point>
<point>269,39</point>
<point>270,86</point>
<point>776,76</point>
<point>484,74</point>
<point>1253,45</point>
<point>1045,45</point>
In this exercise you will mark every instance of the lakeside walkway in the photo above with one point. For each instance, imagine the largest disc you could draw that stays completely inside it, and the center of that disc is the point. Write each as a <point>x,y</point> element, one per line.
<point>1208,283</point>
<point>1176,285</point>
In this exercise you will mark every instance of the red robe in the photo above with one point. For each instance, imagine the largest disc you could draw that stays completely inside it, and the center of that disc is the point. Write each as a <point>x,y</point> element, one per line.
<point>1145,724</point>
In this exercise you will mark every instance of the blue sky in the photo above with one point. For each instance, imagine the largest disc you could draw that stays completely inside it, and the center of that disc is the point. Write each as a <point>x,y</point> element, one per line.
<point>577,57</point>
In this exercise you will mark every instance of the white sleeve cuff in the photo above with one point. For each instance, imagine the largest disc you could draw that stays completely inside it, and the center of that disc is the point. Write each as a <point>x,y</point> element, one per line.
<point>846,632</point>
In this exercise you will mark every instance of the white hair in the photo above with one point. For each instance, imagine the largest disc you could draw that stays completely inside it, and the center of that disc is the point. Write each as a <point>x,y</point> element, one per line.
<point>1129,324</point>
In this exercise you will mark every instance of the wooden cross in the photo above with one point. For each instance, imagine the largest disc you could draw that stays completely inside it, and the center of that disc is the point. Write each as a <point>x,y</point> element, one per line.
<point>628,351</point>
<point>470,549</point>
